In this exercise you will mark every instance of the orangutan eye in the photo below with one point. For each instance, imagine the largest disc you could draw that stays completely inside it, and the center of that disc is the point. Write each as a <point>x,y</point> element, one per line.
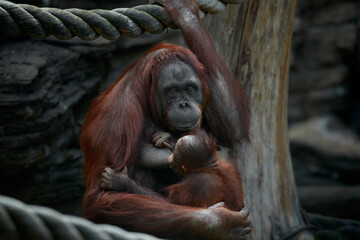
<point>191,89</point>
<point>170,92</point>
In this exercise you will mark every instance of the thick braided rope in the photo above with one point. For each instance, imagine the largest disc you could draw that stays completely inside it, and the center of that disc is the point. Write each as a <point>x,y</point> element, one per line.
<point>39,23</point>
<point>20,221</point>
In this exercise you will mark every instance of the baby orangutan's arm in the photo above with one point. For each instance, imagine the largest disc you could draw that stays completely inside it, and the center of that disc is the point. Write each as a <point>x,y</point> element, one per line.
<point>120,182</point>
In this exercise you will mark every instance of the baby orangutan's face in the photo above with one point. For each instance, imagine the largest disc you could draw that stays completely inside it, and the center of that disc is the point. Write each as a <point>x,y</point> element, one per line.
<point>180,169</point>
<point>177,163</point>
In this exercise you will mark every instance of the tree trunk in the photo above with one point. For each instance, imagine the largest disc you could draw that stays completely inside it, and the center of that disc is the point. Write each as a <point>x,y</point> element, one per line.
<point>255,40</point>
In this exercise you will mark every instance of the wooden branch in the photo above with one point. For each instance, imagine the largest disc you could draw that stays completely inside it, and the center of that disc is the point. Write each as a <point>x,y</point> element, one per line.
<point>255,40</point>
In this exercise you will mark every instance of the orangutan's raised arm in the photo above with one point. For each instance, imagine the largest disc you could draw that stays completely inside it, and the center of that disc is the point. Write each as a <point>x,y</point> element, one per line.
<point>228,110</point>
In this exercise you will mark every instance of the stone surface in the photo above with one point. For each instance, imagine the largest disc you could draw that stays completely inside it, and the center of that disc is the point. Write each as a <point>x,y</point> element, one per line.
<point>336,13</point>
<point>328,228</point>
<point>44,93</point>
<point>326,135</point>
<point>323,81</point>
<point>326,161</point>
<point>325,46</point>
<point>316,103</point>
<point>322,199</point>
<point>337,147</point>
<point>310,80</point>
<point>324,61</point>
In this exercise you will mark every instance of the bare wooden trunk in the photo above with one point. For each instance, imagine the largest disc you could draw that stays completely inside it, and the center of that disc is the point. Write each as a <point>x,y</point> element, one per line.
<point>255,40</point>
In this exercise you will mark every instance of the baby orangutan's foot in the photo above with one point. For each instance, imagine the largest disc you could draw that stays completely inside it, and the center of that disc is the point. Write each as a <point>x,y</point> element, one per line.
<point>114,181</point>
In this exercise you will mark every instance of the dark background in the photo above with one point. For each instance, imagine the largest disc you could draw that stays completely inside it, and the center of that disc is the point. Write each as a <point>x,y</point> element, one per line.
<point>46,87</point>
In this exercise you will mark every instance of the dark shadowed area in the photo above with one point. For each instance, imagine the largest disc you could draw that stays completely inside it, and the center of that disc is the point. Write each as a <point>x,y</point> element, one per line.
<point>324,107</point>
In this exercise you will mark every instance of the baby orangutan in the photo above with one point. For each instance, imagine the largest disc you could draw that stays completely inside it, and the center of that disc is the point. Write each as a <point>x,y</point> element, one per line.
<point>207,179</point>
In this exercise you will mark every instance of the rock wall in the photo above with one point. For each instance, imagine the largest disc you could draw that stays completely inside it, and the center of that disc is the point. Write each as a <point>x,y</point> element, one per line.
<point>45,88</point>
<point>324,57</point>
<point>324,106</point>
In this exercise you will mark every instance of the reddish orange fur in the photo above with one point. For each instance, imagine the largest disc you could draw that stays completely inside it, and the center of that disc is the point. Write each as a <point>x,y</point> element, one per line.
<point>205,187</point>
<point>116,125</point>
<point>208,180</point>
<point>122,112</point>
<point>124,116</point>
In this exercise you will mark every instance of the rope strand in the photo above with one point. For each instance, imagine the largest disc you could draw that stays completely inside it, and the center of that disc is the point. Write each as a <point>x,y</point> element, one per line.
<point>64,24</point>
<point>20,221</point>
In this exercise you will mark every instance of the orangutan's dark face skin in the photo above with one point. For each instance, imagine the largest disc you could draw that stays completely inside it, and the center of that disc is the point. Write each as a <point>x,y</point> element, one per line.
<point>180,97</point>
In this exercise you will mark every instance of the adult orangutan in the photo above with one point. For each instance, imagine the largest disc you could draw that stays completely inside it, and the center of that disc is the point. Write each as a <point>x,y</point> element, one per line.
<point>165,94</point>
<point>208,180</point>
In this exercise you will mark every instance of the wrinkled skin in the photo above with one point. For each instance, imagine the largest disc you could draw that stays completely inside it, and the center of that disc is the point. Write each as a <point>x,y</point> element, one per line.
<point>180,96</point>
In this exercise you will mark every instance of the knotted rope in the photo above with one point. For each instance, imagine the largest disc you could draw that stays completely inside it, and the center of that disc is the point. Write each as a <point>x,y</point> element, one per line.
<point>64,24</point>
<point>20,221</point>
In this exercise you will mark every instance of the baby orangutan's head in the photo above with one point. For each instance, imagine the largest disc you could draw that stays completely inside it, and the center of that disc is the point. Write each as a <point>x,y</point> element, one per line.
<point>193,151</point>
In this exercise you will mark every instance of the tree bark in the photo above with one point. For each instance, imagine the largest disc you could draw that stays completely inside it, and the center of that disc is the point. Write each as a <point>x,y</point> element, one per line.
<point>254,38</point>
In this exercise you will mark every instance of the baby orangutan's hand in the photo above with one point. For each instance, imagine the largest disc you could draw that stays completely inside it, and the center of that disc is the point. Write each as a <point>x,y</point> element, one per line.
<point>114,181</point>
